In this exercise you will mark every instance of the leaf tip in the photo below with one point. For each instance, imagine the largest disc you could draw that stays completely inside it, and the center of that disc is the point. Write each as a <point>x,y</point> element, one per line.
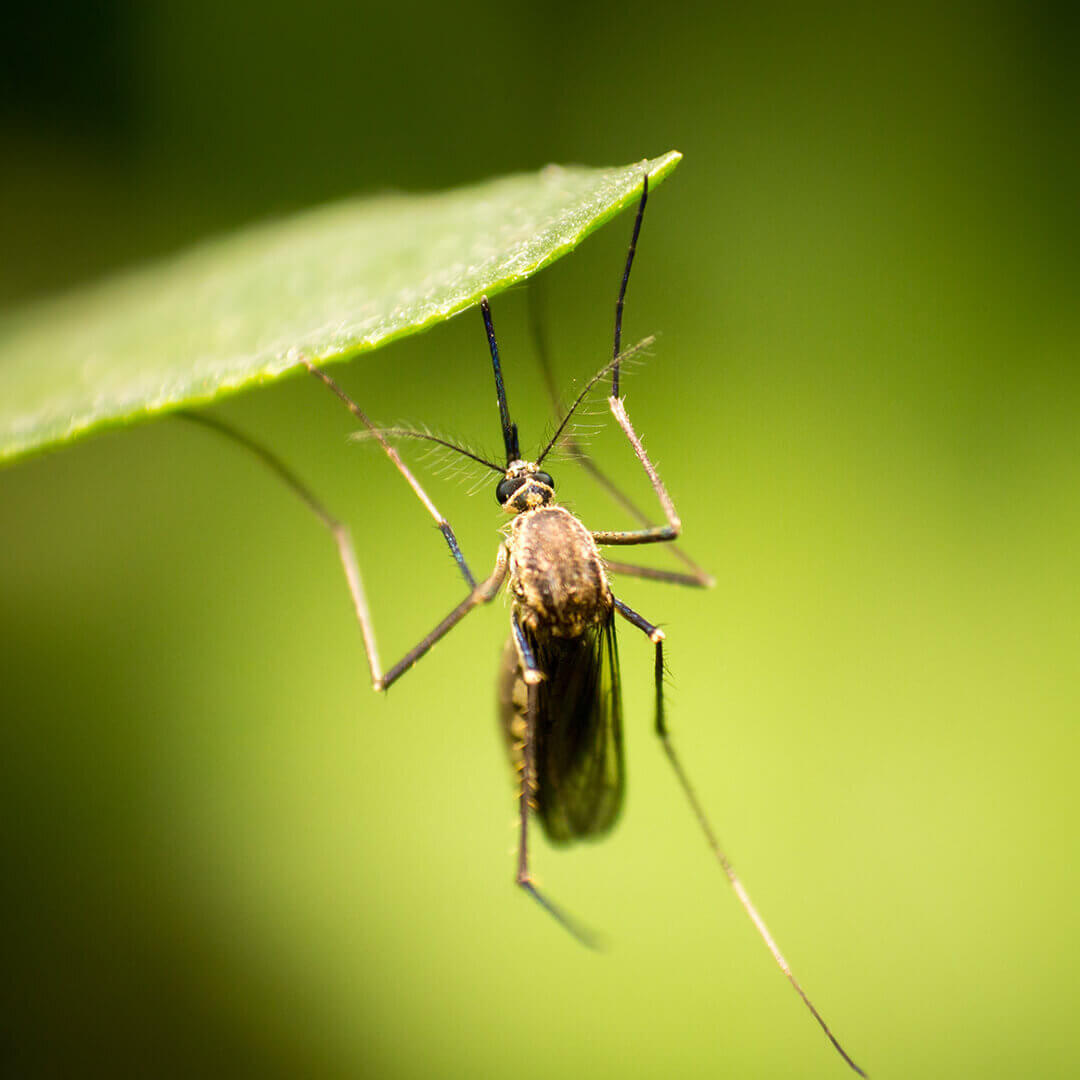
<point>658,168</point>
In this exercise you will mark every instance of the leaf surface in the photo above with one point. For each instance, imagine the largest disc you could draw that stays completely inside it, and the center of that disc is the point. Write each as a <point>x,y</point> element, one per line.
<point>328,284</point>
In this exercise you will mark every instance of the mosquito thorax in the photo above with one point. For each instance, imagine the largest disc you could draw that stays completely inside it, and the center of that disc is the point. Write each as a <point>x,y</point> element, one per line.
<point>524,487</point>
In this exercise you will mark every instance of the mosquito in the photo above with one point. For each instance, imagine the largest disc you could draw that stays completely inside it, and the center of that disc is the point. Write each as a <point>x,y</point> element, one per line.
<point>559,693</point>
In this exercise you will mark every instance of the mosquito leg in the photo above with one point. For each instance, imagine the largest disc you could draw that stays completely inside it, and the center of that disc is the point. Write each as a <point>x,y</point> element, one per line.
<point>532,671</point>
<point>671,577</point>
<point>346,552</point>
<point>337,529</point>
<point>626,279</point>
<point>650,534</point>
<point>392,454</point>
<point>656,635</point>
<point>527,802</point>
<point>655,533</point>
<point>483,593</point>
<point>698,575</point>
<point>578,453</point>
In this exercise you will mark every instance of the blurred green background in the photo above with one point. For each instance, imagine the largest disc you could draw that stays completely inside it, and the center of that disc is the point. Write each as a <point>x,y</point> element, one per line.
<point>224,855</point>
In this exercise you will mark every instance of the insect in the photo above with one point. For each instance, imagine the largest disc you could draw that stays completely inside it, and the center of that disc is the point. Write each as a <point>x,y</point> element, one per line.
<point>559,692</point>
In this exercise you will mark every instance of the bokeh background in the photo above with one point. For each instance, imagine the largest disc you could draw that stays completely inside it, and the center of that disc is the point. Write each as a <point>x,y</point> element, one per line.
<point>224,855</point>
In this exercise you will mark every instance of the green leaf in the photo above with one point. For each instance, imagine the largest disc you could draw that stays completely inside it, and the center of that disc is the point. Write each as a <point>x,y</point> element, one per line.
<point>327,284</point>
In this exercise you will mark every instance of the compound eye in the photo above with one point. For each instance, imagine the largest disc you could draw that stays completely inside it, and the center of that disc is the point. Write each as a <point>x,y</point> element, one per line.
<point>507,488</point>
<point>544,478</point>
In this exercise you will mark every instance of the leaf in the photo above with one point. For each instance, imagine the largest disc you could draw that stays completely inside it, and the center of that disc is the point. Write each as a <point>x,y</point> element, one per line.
<point>327,284</point>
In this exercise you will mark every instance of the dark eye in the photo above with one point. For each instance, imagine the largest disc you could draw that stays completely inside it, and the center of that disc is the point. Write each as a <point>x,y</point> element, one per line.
<point>507,487</point>
<point>544,478</point>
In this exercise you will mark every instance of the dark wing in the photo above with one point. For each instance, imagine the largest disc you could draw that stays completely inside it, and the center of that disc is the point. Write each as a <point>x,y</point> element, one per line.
<point>578,732</point>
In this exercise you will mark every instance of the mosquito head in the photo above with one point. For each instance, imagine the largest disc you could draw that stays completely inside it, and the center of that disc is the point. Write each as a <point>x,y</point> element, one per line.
<point>524,487</point>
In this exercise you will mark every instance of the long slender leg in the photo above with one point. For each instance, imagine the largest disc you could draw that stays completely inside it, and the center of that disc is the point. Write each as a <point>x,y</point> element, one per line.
<point>482,593</point>
<point>651,534</point>
<point>526,803</point>
<point>671,577</point>
<point>578,452</point>
<point>656,635</point>
<point>655,533</point>
<point>392,454</point>
<point>526,658</point>
<point>625,280</point>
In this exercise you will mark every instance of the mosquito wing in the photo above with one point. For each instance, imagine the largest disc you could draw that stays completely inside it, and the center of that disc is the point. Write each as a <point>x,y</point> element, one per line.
<point>577,730</point>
